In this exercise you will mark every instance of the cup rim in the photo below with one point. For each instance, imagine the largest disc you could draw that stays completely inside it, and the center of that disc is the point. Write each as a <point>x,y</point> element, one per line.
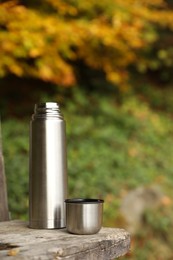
<point>84,201</point>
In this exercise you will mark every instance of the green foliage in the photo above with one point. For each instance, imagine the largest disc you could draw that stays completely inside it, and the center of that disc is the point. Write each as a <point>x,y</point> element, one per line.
<point>159,98</point>
<point>119,141</point>
<point>15,144</point>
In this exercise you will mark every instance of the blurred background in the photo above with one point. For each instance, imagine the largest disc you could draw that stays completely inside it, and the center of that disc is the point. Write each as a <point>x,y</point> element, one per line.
<point>109,64</point>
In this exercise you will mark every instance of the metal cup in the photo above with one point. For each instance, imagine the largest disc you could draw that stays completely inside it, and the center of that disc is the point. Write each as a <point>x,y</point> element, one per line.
<point>84,216</point>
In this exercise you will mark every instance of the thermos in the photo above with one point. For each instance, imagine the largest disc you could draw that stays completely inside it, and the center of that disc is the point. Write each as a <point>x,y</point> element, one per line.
<point>47,168</point>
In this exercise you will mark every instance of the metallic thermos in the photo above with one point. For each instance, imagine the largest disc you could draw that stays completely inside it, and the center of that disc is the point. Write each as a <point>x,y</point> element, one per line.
<point>47,168</point>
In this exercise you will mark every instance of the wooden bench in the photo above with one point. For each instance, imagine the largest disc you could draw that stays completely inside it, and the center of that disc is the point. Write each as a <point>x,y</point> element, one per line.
<point>4,214</point>
<point>18,242</point>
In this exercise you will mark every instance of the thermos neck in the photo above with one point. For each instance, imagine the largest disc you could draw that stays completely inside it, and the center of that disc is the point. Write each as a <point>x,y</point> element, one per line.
<point>47,110</point>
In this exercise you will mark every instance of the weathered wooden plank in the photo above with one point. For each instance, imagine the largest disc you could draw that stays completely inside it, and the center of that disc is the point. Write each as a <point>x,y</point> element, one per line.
<point>4,214</point>
<point>109,243</point>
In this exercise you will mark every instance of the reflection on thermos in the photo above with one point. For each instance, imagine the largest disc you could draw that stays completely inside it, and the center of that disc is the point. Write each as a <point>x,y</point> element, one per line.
<point>47,168</point>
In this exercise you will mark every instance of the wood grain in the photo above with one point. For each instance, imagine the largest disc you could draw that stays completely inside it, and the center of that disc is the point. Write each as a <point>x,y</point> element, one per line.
<point>23,243</point>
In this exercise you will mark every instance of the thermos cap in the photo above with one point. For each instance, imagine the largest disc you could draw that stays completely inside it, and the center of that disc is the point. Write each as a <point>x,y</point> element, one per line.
<point>84,216</point>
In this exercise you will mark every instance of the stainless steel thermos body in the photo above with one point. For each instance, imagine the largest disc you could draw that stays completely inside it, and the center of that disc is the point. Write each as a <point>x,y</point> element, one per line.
<point>47,168</point>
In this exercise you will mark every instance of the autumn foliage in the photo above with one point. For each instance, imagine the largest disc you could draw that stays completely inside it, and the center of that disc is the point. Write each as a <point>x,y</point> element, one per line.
<point>45,40</point>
